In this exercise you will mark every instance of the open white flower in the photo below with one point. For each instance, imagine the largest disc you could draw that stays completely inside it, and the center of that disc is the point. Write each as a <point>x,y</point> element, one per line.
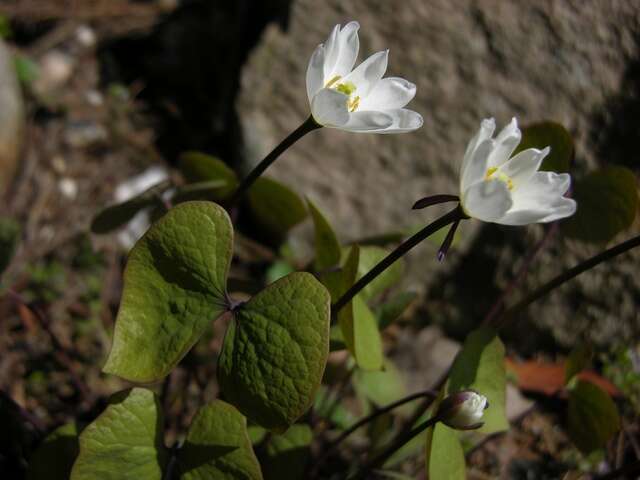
<point>498,188</point>
<point>357,100</point>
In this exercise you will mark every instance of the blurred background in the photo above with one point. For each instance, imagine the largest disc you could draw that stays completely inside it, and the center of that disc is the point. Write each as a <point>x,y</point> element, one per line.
<point>94,93</point>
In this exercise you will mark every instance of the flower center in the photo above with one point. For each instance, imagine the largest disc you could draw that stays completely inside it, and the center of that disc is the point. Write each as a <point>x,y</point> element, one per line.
<point>348,88</point>
<point>491,175</point>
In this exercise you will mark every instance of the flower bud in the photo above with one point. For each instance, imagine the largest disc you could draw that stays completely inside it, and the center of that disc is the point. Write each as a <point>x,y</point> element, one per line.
<point>463,410</point>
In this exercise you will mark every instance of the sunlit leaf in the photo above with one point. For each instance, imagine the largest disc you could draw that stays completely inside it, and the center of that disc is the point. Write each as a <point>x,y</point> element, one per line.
<point>174,287</point>
<point>218,446</point>
<point>275,351</point>
<point>445,457</point>
<point>480,366</point>
<point>125,442</point>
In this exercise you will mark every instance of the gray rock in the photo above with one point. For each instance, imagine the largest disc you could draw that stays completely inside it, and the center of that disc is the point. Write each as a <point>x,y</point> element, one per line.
<point>12,120</point>
<point>470,60</point>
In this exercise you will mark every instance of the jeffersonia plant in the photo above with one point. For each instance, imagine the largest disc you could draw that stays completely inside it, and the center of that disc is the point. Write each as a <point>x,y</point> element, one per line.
<point>278,340</point>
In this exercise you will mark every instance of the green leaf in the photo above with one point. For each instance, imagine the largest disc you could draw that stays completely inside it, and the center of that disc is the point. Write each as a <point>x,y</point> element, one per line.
<point>579,359</point>
<point>549,134</point>
<point>27,70</point>
<point>593,417</point>
<point>326,405</point>
<point>256,433</point>
<point>328,250</point>
<point>275,351</point>
<point>208,190</point>
<point>115,216</point>
<point>389,311</point>
<point>607,202</point>
<point>445,457</point>
<point>480,366</point>
<point>275,206</point>
<point>367,343</point>
<point>218,446</point>
<point>174,287</point>
<point>369,258</point>
<point>199,167</point>
<point>54,458</point>
<point>9,233</point>
<point>125,441</point>
<point>287,454</point>
<point>382,387</point>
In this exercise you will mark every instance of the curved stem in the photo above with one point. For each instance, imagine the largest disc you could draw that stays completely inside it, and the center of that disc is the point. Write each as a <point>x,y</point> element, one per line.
<point>565,277</point>
<point>452,216</point>
<point>394,447</point>
<point>308,126</point>
<point>369,418</point>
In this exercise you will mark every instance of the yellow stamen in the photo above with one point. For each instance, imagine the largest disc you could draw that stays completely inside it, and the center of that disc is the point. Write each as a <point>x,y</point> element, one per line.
<point>353,104</point>
<point>332,81</point>
<point>501,176</point>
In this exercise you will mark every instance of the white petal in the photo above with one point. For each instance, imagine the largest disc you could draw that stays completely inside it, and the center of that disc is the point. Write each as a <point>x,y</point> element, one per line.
<point>315,75</point>
<point>403,120</point>
<point>329,108</point>
<point>542,190</point>
<point>332,50</point>
<point>366,75</point>
<point>367,121</point>
<point>563,207</point>
<point>506,142</point>
<point>389,93</point>
<point>487,201</point>
<point>521,167</point>
<point>485,132</point>
<point>344,51</point>
<point>476,167</point>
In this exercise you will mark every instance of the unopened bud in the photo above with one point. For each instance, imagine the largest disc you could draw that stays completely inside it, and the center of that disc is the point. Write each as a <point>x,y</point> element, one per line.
<point>463,410</point>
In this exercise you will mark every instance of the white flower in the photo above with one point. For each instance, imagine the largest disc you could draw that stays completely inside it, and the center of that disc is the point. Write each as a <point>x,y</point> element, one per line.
<point>463,410</point>
<point>511,191</point>
<point>357,100</point>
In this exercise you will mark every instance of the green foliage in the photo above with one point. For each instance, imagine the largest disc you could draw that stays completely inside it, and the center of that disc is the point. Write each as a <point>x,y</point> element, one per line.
<point>381,387</point>
<point>198,167</point>
<point>607,202</point>
<point>328,406</point>
<point>5,27</point>
<point>367,342</point>
<point>125,441</point>
<point>208,190</point>
<point>286,455</point>
<point>445,457</point>
<point>9,233</point>
<point>26,69</point>
<point>174,287</point>
<point>54,458</point>
<point>593,417</point>
<point>554,135</point>
<point>116,216</point>
<point>218,446</point>
<point>393,308</point>
<point>619,367</point>
<point>480,366</point>
<point>328,250</point>
<point>275,206</point>
<point>275,351</point>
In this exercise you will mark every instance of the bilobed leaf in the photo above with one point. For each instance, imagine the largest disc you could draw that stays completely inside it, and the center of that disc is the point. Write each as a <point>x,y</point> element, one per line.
<point>328,250</point>
<point>549,134</point>
<point>54,458</point>
<point>9,232</point>
<point>125,442</point>
<point>607,202</point>
<point>275,206</point>
<point>218,446</point>
<point>199,167</point>
<point>369,258</point>
<point>445,457</point>
<point>287,454</point>
<point>480,366</point>
<point>174,287</point>
<point>116,216</point>
<point>593,417</point>
<point>275,351</point>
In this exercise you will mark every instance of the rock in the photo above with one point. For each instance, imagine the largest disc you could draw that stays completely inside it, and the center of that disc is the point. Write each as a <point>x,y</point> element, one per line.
<point>56,68</point>
<point>564,61</point>
<point>12,119</point>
